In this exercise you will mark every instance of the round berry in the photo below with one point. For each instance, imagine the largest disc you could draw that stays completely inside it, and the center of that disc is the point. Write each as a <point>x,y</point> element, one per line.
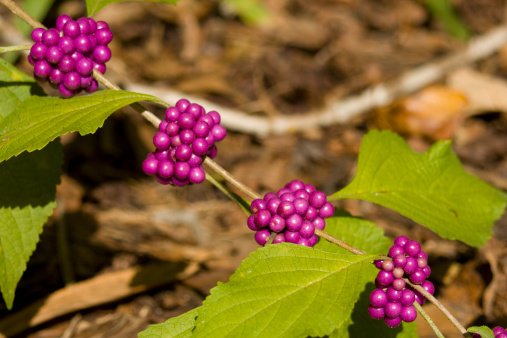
<point>218,132</point>
<point>287,197</point>
<point>311,213</point>
<point>182,104</point>
<point>277,223</point>
<point>42,69</point>
<point>72,80</point>
<point>401,240</point>
<point>317,199</point>
<point>197,175</point>
<point>150,165</point>
<point>319,223</point>
<point>395,250</point>
<point>294,222</point>
<point>194,110</point>
<point>101,54</point>
<point>412,248</point>
<point>172,114</point>
<point>385,278</point>
<point>392,322</point>
<point>56,76</point>
<point>61,20</point>
<point>165,169</point>
<point>301,206</point>
<point>262,218</point>
<point>54,55</point>
<point>99,67</point>
<point>183,152</point>
<point>71,29</point>
<point>408,314</point>
<point>417,277</point>
<point>376,312</point>
<point>181,170</point>
<point>400,261</point>
<point>104,36</point>
<point>392,309</point>
<point>428,286</point>
<point>408,297</point>
<point>497,330</point>
<point>258,204</point>
<point>36,34</point>
<point>38,51</point>
<point>67,64</point>
<point>262,236</point>
<point>201,129</point>
<point>83,45</point>
<point>313,240</point>
<point>304,241</point>
<point>411,265</point>
<point>200,146</point>
<point>92,87</point>
<point>393,295</point>
<point>84,66</point>
<point>161,140</point>
<point>102,25</point>
<point>398,284</point>
<point>327,210</point>
<point>215,116</point>
<point>172,129</point>
<point>378,298</point>
<point>272,205</point>
<point>194,161</point>
<point>50,37</point>
<point>427,271</point>
<point>292,236</point>
<point>68,93</point>
<point>207,119</point>
<point>186,121</point>
<point>286,209</point>
<point>387,265</point>
<point>84,26</point>
<point>279,238</point>
<point>66,45</point>
<point>187,136</point>
<point>307,229</point>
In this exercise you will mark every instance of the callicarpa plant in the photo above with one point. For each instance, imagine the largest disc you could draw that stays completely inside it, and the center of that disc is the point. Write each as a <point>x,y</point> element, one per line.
<point>319,271</point>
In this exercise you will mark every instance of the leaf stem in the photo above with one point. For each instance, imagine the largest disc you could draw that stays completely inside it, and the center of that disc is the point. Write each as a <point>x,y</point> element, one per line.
<point>15,48</point>
<point>22,14</point>
<point>339,242</point>
<point>439,305</point>
<point>428,319</point>
<point>225,174</point>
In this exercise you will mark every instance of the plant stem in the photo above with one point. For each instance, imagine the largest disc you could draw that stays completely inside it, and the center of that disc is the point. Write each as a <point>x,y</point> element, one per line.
<point>15,48</point>
<point>439,305</point>
<point>22,14</point>
<point>428,319</point>
<point>234,197</point>
<point>225,174</point>
<point>339,242</point>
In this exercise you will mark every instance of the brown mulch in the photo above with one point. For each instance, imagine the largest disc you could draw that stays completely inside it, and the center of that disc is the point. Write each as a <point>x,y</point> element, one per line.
<point>115,227</point>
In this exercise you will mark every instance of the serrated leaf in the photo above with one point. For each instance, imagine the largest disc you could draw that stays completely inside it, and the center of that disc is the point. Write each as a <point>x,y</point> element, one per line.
<point>284,290</point>
<point>39,120</point>
<point>93,6</point>
<point>432,188</point>
<point>177,327</point>
<point>356,231</point>
<point>484,331</point>
<point>361,325</point>
<point>27,199</point>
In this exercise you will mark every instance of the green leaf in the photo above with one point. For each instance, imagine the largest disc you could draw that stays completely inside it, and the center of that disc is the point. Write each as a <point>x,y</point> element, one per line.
<point>361,325</point>
<point>284,290</point>
<point>177,327</point>
<point>445,14</point>
<point>15,86</point>
<point>432,188</point>
<point>27,199</point>
<point>484,331</point>
<point>250,11</point>
<point>39,120</point>
<point>356,231</point>
<point>93,6</point>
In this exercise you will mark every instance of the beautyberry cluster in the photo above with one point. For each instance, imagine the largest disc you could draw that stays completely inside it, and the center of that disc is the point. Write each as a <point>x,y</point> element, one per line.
<point>185,137</point>
<point>393,298</point>
<point>65,56</point>
<point>498,331</point>
<point>293,213</point>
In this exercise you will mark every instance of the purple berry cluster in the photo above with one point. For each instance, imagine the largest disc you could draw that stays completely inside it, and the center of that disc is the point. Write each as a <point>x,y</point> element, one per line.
<point>293,213</point>
<point>185,137</point>
<point>393,298</point>
<point>498,331</point>
<point>66,56</point>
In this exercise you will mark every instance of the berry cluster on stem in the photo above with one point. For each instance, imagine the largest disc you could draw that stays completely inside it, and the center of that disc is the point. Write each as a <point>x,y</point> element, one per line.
<point>392,299</point>
<point>186,136</point>
<point>66,56</point>
<point>293,213</point>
